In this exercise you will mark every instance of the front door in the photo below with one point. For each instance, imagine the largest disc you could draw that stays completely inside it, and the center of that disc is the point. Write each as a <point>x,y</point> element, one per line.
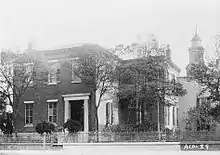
<point>77,111</point>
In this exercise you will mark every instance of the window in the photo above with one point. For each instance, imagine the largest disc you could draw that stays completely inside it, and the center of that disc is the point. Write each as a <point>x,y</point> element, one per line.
<point>150,116</point>
<point>165,115</point>
<point>172,77</point>
<point>138,114</point>
<point>167,75</point>
<point>52,112</point>
<point>29,71</point>
<point>168,113</point>
<point>75,78</point>
<point>54,73</point>
<point>177,116</point>
<point>174,116</point>
<point>109,114</point>
<point>28,113</point>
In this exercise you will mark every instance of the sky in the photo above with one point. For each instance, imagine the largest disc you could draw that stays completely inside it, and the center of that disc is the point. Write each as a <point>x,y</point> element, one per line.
<point>53,23</point>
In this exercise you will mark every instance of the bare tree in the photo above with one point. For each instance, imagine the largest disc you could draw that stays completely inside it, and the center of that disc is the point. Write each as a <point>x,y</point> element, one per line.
<point>97,70</point>
<point>19,72</point>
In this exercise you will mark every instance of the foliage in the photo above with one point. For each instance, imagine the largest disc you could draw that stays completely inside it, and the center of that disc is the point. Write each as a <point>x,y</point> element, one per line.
<point>96,68</point>
<point>215,113</point>
<point>148,126</point>
<point>168,131</point>
<point>72,126</point>
<point>208,77</point>
<point>45,127</point>
<point>147,77</point>
<point>6,125</point>
<point>143,80</point>
<point>199,118</point>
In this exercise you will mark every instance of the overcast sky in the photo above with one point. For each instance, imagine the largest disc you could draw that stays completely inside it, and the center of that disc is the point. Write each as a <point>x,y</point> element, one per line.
<point>51,23</point>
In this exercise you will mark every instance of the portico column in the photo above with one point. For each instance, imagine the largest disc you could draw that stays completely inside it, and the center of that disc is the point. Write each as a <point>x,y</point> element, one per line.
<point>66,110</point>
<point>86,116</point>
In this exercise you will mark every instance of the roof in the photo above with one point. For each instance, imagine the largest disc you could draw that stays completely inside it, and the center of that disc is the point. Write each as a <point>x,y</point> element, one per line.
<point>196,38</point>
<point>69,51</point>
<point>170,62</point>
<point>174,66</point>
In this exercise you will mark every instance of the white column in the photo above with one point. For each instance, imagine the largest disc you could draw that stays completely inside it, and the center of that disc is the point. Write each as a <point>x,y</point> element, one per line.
<point>86,116</point>
<point>66,111</point>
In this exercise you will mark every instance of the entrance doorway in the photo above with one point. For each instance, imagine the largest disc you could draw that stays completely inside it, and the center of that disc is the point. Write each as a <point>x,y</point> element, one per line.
<point>77,111</point>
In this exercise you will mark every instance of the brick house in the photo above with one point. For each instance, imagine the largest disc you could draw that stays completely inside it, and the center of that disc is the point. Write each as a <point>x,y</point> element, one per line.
<point>168,111</point>
<point>62,95</point>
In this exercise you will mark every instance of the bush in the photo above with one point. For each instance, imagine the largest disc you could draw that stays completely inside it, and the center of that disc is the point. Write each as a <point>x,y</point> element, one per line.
<point>168,131</point>
<point>72,126</point>
<point>6,125</point>
<point>150,126</point>
<point>46,127</point>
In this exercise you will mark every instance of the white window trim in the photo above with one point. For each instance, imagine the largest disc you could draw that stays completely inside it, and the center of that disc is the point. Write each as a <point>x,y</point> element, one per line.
<point>53,83</point>
<point>110,118</point>
<point>51,61</point>
<point>27,102</point>
<point>52,101</point>
<point>74,81</point>
<point>56,82</point>
<point>31,83</point>
<point>76,58</point>
<point>30,124</point>
<point>79,81</point>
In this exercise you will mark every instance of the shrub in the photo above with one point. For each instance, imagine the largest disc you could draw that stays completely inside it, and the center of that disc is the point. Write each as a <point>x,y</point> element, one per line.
<point>6,125</point>
<point>150,126</point>
<point>46,127</point>
<point>72,126</point>
<point>168,131</point>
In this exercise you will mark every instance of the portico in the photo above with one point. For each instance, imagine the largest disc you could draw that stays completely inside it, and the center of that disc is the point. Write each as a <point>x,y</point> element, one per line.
<point>67,110</point>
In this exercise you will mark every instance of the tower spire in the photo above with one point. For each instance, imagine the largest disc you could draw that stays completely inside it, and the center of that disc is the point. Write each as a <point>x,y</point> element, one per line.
<point>196,32</point>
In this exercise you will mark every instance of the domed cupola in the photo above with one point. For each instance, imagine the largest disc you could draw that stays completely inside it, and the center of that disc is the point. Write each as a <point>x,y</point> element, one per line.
<point>196,42</point>
<point>196,50</point>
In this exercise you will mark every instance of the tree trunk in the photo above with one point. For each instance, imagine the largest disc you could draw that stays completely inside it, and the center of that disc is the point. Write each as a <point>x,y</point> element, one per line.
<point>14,123</point>
<point>93,112</point>
<point>97,124</point>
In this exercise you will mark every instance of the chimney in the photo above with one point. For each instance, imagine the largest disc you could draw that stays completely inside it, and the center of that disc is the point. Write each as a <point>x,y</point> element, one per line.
<point>30,46</point>
<point>168,52</point>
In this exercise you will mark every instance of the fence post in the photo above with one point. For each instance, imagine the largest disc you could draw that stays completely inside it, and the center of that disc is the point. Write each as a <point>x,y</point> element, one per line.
<point>44,140</point>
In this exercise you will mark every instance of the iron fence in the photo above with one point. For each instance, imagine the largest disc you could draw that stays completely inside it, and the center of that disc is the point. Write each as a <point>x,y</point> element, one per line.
<point>141,137</point>
<point>27,139</point>
<point>109,137</point>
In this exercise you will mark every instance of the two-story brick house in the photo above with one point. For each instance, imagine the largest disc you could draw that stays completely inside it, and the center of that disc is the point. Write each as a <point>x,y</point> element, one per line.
<point>62,95</point>
<point>168,112</point>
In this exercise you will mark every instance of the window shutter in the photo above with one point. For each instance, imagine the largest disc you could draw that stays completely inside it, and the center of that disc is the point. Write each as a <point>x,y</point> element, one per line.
<point>177,116</point>
<point>112,114</point>
<point>174,116</point>
<point>58,73</point>
<point>168,112</point>
<point>107,113</point>
<point>165,115</point>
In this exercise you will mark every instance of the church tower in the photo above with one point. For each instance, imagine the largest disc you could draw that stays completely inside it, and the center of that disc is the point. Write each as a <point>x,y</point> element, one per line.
<point>196,50</point>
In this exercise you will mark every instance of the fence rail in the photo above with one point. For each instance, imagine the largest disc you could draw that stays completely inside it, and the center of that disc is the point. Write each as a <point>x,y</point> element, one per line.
<point>26,139</point>
<point>100,137</point>
<point>141,137</point>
